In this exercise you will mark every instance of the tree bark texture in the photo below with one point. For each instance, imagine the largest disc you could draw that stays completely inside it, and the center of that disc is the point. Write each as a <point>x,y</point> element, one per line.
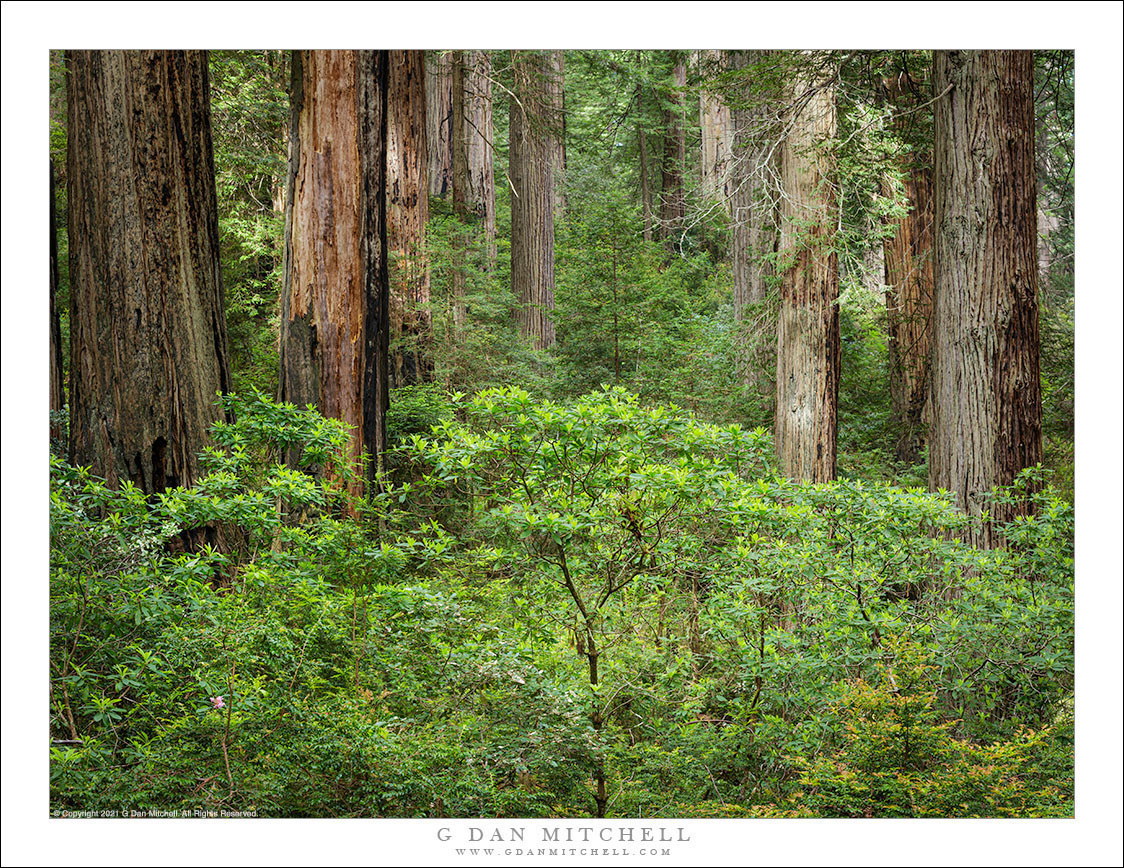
<point>532,201</point>
<point>480,144</point>
<point>148,332</point>
<point>808,330</point>
<point>335,293</point>
<point>716,123</point>
<point>56,388</point>
<point>439,122</point>
<point>556,129</point>
<point>908,264</point>
<point>407,212</point>
<point>458,255</point>
<point>673,205</point>
<point>987,407</point>
<point>753,238</point>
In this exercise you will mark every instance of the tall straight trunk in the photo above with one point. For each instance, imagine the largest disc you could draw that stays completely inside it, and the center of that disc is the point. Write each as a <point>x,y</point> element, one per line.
<point>753,237</point>
<point>987,405</point>
<point>147,328</point>
<point>532,201</point>
<point>461,183</point>
<point>808,331</point>
<point>439,123</point>
<point>480,146</point>
<point>56,388</point>
<point>908,261</point>
<point>335,294</point>
<point>556,129</point>
<point>407,212</point>
<point>672,197</point>
<point>716,124</point>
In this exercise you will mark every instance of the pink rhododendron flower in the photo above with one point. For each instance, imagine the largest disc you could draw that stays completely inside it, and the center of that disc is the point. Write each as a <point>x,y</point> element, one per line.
<point>217,702</point>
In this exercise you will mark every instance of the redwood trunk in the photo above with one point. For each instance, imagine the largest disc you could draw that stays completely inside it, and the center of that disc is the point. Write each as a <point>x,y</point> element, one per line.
<point>439,123</point>
<point>407,213</point>
<point>335,294</point>
<point>808,331</point>
<point>908,259</point>
<point>717,140</point>
<point>56,388</point>
<point>479,144</point>
<point>987,408</point>
<point>148,334</point>
<point>532,201</point>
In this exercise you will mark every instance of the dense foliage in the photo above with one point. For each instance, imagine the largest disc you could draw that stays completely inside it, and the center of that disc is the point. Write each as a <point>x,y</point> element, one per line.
<point>431,652</point>
<point>591,592</point>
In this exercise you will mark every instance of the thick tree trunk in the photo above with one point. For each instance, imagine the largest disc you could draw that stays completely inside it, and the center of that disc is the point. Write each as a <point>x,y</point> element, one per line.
<point>56,367</point>
<point>716,123</point>
<point>480,145</point>
<point>908,260</point>
<point>335,294</point>
<point>672,197</point>
<point>808,331</point>
<point>407,212</point>
<point>148,333</point>
<point>987,407</point>
<point>532,201</point>
<point>439,123</point>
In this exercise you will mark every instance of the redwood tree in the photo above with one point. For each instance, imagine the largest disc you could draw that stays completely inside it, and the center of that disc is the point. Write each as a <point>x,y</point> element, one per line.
<point>148,335</point>
<point>987,407</point>
<point>908,263</point>
<point>479,144</point>
<point>532,200</point>
<point>407,212</point>
<point>335,293</point>
<point>808,329</point>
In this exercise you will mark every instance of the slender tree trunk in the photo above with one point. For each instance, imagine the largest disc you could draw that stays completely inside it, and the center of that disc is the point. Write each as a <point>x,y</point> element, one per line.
<point>533,202</point>
<point>407,212</point>
<point>716,124</point>
<point>480,145</point>
<point>908,260</point>
<point>808,331</point>
<point>148,333</point>
<point>439,123</point>
<point>56,387</point>
<point>987,407</point>
<point>335,295</point>
<point>645,170</point>
<point>555,124</point>
<point>461,187</point>
<point>672,198</point>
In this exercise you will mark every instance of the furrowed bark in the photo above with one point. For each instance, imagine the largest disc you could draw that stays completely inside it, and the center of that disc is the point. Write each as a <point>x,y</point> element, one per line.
<point>987,405</point>
<point>407,213</point>
<point>148,331</point>
<point>335,294</point>
<point>533,201</point>
<point>808,331</point>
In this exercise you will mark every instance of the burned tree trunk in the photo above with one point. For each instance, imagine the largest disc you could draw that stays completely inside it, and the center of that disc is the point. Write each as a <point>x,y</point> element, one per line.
<point>335,294</point>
